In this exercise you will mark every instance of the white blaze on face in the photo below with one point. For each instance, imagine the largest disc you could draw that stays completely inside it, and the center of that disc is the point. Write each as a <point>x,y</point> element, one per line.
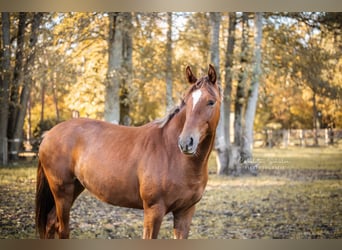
<point>196,95</point>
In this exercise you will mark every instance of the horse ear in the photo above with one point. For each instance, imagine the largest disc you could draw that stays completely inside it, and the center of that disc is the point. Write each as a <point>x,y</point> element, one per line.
<point>212,74</point>
<point>189,76</point>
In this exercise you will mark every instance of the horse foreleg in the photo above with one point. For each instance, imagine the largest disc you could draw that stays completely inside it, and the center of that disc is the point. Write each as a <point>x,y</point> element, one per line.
<point>182,221</point>
<point>153,217</point>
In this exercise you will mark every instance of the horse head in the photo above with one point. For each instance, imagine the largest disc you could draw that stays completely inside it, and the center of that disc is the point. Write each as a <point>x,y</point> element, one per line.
<point>202,103</point>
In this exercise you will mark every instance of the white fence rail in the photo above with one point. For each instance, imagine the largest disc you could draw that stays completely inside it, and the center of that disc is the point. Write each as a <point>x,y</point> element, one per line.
<point>267,138</point>
<point>297,137</point>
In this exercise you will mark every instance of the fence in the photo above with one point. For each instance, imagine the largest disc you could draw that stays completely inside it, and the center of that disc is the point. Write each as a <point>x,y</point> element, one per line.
<point>267,138</point>
<point>26,148</point>
<point>297,137</point>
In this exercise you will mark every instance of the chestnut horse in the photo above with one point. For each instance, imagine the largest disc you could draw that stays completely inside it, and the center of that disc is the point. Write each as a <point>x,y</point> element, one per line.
<point>160,167</point>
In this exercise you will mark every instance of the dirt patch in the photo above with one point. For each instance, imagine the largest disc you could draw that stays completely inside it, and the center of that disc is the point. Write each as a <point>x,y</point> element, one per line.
<point>271,205</point>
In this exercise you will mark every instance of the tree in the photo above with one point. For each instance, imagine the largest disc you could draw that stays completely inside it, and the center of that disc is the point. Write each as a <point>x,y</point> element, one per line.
<point>112,101</point>
<point>247,144</point>
<point>17,74</point>
<point>27,85</point>
<point>299,46</point>
<point>220,140</point>
<point>73,67</point>
<point>16,89</point>
<point>229,74</point>
<point>222,167</point>
<point>119,68</point>
<point>242,81</point>
<point>83,60</point>
<point>169,100</point>
<point>127,70</point>
<point>309,71</point>
<point>148,97</point>
<point>4,83</point>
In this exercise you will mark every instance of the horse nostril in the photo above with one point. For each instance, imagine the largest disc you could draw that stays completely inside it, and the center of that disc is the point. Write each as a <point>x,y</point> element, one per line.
<point>191,143</point>
<point>187,144</point>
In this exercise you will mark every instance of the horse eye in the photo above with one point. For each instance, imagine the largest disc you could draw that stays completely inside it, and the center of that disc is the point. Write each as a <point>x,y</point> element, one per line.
<point>211,103</point>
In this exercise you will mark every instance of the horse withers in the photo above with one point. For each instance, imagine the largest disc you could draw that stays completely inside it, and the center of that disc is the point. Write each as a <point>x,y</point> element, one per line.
<point>159,167</point>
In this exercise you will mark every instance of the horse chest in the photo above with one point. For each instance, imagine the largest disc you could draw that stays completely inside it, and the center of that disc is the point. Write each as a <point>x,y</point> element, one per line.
<point>184,196</point>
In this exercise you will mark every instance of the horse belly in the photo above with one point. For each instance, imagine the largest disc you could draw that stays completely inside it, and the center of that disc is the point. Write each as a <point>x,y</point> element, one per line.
<point>113,186</point>
<point>123,195</point>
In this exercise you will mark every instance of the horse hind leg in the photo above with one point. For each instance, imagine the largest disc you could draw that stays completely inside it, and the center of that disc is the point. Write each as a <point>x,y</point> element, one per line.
<point>51,224</point>
<point>64,199</point>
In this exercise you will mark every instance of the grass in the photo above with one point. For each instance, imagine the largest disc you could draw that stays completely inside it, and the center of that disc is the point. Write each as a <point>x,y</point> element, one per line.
<point>297,195</point>
<point>301,158</point>
<point>274,207</point>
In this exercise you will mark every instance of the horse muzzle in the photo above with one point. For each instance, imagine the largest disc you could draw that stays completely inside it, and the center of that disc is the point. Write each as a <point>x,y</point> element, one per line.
<point>188,144</point>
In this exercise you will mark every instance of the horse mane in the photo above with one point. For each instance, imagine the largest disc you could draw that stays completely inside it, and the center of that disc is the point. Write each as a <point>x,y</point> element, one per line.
<point>203,81</point>
<point>163,121</point>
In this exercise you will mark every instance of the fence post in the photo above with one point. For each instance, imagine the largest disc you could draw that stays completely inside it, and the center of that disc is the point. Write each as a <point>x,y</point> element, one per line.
<point>14,147</point>
<point>4,147</point>
<point>269,137</point>
<point>286,137</point>
<point>301,135</point>
<point>331,136</point>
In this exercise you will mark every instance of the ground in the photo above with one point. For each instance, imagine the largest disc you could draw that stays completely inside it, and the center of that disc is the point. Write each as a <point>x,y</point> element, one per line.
<point>296,195</point>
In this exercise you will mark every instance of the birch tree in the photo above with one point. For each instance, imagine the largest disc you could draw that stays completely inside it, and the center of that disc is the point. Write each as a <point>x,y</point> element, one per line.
<point>220,141</point>
<point>224,169</point>
<point>119,68</point>
<point>246,153</point>
<point>112,100</point>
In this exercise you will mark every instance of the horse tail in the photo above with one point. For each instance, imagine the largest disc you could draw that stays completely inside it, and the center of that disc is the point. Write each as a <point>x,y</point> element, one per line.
<point>44,201</point>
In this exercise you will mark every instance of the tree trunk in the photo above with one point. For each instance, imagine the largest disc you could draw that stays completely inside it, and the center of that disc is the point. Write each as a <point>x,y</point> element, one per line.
<point>4,83</point>
<point>126,78</point>
<point>42,99</point>
<point>240,90</point>
<point>227,92</point>
<point>25,93</point>
<point>246,154</point>
<point>314,117</point>
<point>169,100</point>
<point>29,120</point>
<point>55,94</point>
<point>220,140</point>
<point>17,75</point>
<point>112,98</point>
<point>228,75</point>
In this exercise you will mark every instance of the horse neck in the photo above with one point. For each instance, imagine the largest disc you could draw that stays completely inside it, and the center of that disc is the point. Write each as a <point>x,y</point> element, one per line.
<point>204,150</point>
<point>173,128</point>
